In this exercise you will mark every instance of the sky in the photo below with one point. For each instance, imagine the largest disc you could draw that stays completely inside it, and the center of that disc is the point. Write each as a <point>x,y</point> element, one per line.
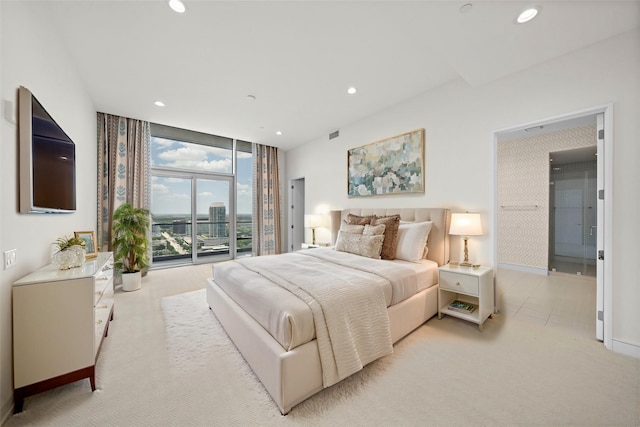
<point>172,195</point>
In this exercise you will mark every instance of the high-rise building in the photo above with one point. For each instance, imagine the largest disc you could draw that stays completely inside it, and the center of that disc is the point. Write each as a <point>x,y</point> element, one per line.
<point>217,220</point>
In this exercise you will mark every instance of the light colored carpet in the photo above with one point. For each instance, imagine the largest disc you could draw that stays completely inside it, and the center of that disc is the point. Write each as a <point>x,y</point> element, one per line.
<point>181,369</point>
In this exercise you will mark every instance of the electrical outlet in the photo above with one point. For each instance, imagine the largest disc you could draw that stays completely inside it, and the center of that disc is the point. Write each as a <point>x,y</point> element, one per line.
<point>10,258</point>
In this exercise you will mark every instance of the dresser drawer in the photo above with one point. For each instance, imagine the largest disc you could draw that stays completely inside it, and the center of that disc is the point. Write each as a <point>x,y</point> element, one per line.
<point>101,285</point>
<point>459,283</point>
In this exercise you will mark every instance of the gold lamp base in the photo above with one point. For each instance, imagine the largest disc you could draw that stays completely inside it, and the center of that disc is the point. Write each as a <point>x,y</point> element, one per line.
<point>466,262</point>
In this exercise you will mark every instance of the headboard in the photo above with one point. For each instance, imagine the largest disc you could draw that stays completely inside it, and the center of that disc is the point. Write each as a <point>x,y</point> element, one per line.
<point>438,242</point>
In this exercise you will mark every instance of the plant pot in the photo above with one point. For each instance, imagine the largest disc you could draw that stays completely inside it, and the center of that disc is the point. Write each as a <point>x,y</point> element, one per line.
<point>131,281</point>
<point>68,258</point>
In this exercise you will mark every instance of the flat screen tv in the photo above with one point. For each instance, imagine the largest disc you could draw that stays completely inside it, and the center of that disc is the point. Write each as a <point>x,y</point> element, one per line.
<point>47,160</point>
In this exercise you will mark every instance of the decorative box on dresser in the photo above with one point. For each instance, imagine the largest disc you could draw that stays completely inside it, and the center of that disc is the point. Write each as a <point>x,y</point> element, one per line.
<point>59,320</point>
<point>469,285</point>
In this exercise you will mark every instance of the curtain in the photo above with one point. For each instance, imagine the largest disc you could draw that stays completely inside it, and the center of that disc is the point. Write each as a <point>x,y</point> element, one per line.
<point>124,169</point>
<point>266,203</point>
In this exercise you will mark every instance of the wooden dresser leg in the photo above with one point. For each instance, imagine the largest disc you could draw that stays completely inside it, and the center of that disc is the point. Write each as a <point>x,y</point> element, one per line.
<point>18,399</point>
<point>92,378</point>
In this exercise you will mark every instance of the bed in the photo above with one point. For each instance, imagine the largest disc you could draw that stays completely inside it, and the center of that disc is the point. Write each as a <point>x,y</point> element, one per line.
<point>283,342</point>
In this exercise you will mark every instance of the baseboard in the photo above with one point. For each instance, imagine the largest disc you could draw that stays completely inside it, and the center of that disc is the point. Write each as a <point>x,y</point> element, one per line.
<point>524,268</point>
<point>626,348</point>
<point>7,411</point>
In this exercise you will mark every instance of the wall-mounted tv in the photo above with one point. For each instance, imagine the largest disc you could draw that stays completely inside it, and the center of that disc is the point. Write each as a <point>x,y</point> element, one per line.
<point>47,160</point>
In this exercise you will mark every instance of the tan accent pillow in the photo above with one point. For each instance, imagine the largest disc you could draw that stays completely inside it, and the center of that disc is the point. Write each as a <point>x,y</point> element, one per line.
<point>358,244</point>
<point>359,220</point>
<point>390,243</point>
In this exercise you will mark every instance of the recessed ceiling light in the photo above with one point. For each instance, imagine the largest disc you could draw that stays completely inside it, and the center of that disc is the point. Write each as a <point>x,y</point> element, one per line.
<point>177,6</point>
<point>527,15</point>
<point>351,90</point>
<point>159,104</point>
<point>279,132</point>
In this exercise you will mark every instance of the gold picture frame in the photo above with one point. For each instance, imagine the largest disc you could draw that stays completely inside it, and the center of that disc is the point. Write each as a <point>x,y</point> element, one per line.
<point>391,166</point>
<point>89,238</point>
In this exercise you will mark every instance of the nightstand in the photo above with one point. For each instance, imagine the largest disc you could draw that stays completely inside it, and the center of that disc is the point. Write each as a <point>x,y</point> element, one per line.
<point>469,285</point>
<point>309,246</point>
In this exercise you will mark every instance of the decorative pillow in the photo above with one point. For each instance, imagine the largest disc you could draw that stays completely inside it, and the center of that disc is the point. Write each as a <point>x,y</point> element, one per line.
<point>358,244</point>
<point>374,230</point>
<point>352,229</point>
<point>389,246</point>
<point>359,220</point>
<point>412,239</point>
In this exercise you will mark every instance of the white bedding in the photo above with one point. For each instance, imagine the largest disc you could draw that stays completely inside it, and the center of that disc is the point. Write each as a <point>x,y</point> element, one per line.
<point>289,319</point>
<point>349,311</point>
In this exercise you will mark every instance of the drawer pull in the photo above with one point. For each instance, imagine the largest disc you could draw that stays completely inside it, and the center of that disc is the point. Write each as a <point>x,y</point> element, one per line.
<point>457,283</point>
<point>103,278</point>
<point>99,293</point>
<point>99,322</point>
<point>102,306</point>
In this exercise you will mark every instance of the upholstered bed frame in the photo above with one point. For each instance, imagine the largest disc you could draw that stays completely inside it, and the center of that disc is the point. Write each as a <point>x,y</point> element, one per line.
<point>293,376</point>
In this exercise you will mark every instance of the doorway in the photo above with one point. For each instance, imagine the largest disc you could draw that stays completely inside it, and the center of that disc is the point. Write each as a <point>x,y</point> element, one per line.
<point>296,228</point>
<point>573,219</point>
<point>603,115</point>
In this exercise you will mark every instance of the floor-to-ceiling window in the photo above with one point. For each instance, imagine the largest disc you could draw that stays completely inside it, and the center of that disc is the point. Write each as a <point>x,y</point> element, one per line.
<point>201,197</point>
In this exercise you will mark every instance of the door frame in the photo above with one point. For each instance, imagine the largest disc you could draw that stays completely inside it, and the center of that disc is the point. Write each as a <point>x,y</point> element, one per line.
<point>604,286</point>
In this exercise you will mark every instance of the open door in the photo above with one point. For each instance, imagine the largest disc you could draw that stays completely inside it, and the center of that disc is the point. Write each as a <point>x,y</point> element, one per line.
<point>600,265</point>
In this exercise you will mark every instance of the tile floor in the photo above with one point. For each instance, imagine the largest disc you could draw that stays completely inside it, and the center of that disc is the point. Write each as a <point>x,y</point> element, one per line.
<point>558,300</point>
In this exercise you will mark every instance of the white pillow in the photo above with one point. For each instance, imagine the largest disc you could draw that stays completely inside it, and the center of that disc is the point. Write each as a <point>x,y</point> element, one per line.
<point>412,239</point>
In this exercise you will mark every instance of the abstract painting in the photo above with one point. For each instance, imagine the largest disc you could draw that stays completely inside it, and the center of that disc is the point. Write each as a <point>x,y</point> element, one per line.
<point>391,166</point>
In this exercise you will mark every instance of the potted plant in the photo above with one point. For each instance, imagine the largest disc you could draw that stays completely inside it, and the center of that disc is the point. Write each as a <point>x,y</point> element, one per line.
<point>71,253</point>
<point>130,244</point>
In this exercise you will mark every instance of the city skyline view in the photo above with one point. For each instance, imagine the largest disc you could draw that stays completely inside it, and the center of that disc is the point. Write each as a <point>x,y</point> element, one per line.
<point>172,195</point>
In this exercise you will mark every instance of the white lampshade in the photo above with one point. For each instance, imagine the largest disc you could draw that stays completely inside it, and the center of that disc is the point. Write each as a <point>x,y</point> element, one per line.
<point>315,221</point>
<point>465,224</point>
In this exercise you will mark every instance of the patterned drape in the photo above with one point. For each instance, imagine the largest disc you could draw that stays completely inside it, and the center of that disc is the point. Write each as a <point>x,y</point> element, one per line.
<point>124,169</point>
<point>266,203</point>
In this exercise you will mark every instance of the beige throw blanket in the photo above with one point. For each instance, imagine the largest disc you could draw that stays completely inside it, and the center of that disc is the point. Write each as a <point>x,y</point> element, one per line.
<point>350,315</point>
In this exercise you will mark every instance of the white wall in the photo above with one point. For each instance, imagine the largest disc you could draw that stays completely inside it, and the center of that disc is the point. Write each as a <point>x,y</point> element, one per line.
<point>33,56</point>
<point>460,122</point>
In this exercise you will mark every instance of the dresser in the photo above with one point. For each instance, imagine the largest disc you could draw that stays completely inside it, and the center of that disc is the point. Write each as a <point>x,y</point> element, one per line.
<point>60,318</point>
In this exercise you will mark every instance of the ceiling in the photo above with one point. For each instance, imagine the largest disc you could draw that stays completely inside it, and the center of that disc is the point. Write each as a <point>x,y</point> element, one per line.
<point>298,58</point>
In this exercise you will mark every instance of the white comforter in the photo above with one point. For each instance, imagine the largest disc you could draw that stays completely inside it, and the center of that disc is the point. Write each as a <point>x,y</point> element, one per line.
<point>348,304</point>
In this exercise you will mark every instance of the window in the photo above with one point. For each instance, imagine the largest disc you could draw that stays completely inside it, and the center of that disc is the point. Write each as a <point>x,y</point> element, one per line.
<point>196,214</point>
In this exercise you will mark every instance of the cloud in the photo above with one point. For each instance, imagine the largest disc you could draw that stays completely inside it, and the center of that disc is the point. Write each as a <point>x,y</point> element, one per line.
<point>162,142</point>
<point>159,189</point>
<point>175,180</point>
<point>244,190</point>
<point>192,156</point>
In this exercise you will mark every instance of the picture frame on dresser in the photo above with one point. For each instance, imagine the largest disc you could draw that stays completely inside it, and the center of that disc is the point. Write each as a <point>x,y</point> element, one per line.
<point>90,246</point>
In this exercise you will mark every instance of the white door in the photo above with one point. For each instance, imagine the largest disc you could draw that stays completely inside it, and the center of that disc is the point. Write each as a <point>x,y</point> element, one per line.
<point>296,232</point>
<point>600,265</point>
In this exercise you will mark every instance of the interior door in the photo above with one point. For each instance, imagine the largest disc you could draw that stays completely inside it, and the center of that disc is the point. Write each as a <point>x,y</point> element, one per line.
<point>600,265</point>
<point>296,235</point>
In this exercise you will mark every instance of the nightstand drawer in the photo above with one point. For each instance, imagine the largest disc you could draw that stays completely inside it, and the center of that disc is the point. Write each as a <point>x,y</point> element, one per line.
<point>459,283</point>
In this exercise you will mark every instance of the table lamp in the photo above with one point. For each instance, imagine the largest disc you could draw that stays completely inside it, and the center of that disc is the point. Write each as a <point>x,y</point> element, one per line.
<point>314,221</point>
<point>465,224</point>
